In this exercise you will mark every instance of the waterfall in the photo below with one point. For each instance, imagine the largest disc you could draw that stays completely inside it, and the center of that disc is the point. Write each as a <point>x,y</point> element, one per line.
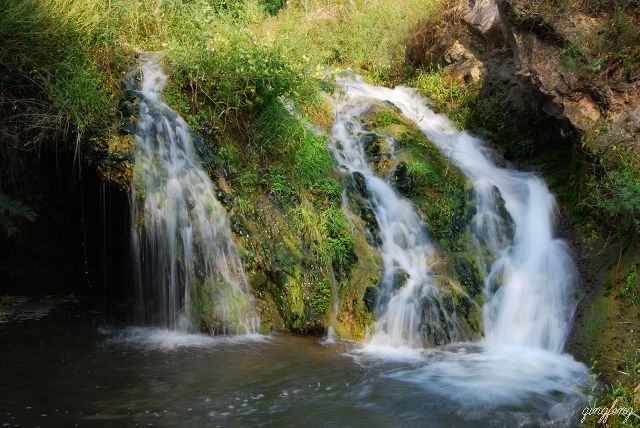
<point>405,244</point>
<point>529,273</point>
<point>188,273</point>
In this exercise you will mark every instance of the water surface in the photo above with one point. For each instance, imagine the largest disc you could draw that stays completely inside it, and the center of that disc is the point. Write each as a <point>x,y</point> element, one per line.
<point>74,369</point>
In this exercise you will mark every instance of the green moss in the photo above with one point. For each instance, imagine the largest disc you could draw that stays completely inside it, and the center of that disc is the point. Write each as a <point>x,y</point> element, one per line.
<point>321,296</point>
<point>353,317</point>
<point>425,175</point>
<point>295,297</point>
<point>465,267</point>
<point>591,333</point>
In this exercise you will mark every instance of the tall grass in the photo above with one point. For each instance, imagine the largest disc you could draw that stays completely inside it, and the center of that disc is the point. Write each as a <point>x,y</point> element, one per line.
<point>232,55</point>
<point>365,35</point>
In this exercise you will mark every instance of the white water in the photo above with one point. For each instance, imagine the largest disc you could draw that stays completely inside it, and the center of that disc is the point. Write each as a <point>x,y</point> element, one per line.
<point>187,262</point>
<point>529,274</point>
<point>157,339</point>
<point>405,245</point>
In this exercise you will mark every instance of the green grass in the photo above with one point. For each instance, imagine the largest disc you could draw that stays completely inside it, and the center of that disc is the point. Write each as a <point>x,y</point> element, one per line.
<point>447,95</point>
<point>629,291</point>
<point>596,318</point>
<point>621,392</point>
<point>321,296</point>
<point>373,44</point>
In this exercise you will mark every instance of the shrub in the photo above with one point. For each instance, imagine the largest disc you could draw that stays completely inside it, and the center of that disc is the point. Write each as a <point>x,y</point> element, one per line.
<point>617,194</point>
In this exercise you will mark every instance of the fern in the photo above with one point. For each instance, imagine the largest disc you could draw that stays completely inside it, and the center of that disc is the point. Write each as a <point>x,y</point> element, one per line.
<point>12,209</point>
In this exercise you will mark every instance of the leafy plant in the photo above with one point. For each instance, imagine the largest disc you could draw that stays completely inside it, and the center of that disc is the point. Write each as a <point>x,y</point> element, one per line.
<point>273,6</point>
<point>617,194</point>
<point>11,210</point>
<point>320,297</point>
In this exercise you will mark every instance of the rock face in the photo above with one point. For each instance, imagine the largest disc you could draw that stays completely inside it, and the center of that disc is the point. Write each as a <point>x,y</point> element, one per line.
<point>484,17</point>
<point>543,59</point>
<point>463,64</point>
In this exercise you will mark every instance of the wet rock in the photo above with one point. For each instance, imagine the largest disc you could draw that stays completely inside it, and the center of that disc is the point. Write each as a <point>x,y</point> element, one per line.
<point>225,199</point>
<point>378,151</point>
<point>399,278</point>
<point>448,303</point>
<point>467,272</point>
<point>369,217</point>
<point>392,106</point>
<point>471,202</point>
<point>402,180</point>
<point>365,211</point>
<point>361,184</point>
<point>370,298</point>
<point>507,221</point>
<point>129,107</point>
<point>373,145</point>
<point>238,227</point>
<point>256,279</point>
<point>367,139</point>
<point>282,260</point>
<point>128,128</point>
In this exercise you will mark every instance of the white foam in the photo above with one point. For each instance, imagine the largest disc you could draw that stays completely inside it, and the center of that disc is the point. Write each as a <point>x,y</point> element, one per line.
<point>157,339</point>
<point>498,374</point>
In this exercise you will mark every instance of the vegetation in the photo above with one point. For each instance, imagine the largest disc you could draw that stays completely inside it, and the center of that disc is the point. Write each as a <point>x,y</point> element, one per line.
<point>11,212</point>
<point>622,392</point>
<point>248,77</point>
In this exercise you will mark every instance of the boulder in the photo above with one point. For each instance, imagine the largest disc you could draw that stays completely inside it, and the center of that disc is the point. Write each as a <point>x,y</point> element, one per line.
<point>370,298</point>
<point>402,180</point>
<point>400,278</point>
<point>361,184</point>
<point>462,64</point>
<point>483,16</point>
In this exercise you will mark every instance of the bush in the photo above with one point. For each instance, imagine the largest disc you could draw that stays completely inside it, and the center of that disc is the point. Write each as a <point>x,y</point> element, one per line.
<point>616,194</point>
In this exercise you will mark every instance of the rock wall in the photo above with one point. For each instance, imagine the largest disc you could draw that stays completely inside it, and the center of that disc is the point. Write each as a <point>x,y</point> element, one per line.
<point>542,53</point>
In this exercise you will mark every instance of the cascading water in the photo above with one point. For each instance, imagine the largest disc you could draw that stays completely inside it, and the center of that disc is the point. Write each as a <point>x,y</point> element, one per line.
<point>529,274</point>
<point>405,245</point>
<point>533,304</point>
<point>188,269</point>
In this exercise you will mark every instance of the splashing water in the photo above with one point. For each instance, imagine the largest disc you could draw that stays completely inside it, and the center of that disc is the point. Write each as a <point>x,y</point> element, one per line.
<point>533,305</point>
<point>529,273</point>
<point>405,245</point>
<point>187,264</point>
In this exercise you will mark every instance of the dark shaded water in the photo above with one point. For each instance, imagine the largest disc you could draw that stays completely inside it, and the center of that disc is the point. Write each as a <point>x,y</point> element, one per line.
<point>69,369</point>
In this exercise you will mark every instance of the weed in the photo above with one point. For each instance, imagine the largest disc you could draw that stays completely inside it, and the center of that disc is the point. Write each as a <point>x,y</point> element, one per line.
<point>629,290</point>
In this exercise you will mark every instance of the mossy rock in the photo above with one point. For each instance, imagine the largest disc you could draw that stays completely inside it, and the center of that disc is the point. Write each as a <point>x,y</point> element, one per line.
<point>363,208</point>
<point>370,298</point>
<point>361,184</point>
<point>437,187</point>
<point>465,268</point>
<point>114,159</point>
<point>402,180</point>
<point>378,151</point>
<point>399,278</point>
